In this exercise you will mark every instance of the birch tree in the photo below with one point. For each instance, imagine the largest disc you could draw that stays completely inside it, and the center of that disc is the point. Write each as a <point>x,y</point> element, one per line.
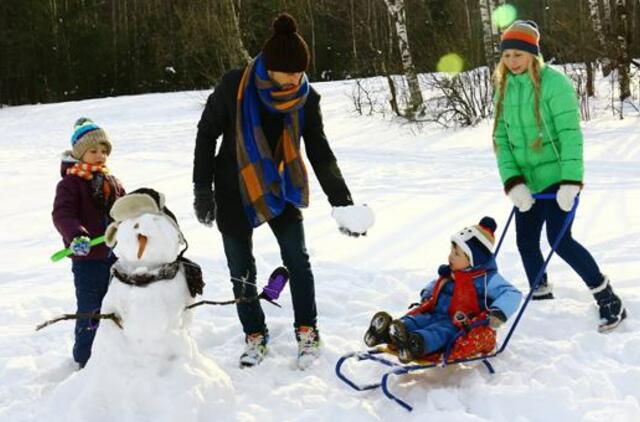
<point>397,12</point>
<point>495,31</point>
<point>235,38</point>
<point>487,34</point>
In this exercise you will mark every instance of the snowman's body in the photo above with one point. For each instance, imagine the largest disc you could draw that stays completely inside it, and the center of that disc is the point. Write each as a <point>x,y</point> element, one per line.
<point>150,369</point>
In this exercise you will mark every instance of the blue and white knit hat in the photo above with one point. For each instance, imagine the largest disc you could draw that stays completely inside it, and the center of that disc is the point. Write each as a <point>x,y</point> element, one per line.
<point>87,134</point>
<point>477,241</point>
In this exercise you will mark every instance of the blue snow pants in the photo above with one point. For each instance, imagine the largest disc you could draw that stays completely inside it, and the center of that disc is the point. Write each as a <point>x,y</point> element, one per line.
<point>91,280</point>
<point>528,231</point>
<point>436,330</point>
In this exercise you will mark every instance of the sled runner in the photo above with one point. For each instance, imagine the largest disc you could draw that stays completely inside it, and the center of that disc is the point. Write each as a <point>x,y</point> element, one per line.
<point>476,342</point>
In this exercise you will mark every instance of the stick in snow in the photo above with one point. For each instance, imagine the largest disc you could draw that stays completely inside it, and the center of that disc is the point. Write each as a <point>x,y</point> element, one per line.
<point>87,315</point>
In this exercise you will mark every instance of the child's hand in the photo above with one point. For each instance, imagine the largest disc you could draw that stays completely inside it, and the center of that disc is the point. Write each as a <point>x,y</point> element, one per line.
<point>80,246</point>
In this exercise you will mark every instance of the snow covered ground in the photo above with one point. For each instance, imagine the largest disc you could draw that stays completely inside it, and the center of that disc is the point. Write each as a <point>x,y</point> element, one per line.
<point>422,187</point>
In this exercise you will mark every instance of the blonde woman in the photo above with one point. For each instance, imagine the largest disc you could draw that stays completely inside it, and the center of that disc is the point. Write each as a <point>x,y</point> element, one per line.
<point>538,145</point>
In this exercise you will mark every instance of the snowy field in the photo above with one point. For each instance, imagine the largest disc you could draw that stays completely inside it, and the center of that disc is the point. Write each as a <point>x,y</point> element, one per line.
<point>422,186</point>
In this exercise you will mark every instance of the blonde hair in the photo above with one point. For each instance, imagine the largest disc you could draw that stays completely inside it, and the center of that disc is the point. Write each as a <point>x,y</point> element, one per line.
<point>500,83</point>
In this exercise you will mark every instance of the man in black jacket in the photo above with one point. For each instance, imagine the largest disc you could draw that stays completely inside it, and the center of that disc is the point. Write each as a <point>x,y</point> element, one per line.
<point>261,112</point>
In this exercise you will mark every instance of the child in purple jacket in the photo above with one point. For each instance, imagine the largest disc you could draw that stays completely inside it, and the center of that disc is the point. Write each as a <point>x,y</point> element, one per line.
<point>81,208</point>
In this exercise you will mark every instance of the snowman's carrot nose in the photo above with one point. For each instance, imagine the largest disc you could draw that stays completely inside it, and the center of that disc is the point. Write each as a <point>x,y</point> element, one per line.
<point>142,243</point>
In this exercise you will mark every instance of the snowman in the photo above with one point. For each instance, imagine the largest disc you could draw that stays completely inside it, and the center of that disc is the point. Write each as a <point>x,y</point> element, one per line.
<point>150,369</point>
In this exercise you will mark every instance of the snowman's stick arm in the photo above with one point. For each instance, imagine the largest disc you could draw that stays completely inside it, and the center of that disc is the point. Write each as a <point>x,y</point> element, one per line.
<point>231,302</point>
<point>213,302</point>
<point>83,315</point>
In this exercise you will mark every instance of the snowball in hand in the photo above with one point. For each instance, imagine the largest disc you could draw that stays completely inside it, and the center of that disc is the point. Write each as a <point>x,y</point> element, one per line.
<point>355,218</point>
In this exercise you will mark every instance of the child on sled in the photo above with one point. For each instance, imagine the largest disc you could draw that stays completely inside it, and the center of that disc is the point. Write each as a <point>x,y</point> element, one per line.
<point>469,288</point>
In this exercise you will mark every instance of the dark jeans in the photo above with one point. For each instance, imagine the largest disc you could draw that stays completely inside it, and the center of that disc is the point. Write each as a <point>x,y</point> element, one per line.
<point>294,255</point>
<point>529,229</point>
<point>91,279</point>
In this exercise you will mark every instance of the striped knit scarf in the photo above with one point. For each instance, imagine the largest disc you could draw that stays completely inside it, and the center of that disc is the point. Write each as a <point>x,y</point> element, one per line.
<point>85,171</point>
<point>269,180</point>
<point>102,185</point>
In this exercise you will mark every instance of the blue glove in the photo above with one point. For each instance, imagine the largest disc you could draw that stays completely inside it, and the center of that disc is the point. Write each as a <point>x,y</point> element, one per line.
<point>80,246</point>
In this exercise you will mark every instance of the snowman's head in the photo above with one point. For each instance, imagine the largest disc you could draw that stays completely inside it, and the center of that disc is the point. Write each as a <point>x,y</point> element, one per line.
<point>145,233</point>
<point>148,240</point>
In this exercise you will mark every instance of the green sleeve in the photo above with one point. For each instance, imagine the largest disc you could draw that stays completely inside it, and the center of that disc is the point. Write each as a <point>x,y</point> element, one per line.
<point>507,165</point>
<point>563,106</point>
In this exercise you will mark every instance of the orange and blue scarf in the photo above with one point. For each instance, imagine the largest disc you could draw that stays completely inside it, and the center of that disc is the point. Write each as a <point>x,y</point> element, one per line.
<point>268,180</point>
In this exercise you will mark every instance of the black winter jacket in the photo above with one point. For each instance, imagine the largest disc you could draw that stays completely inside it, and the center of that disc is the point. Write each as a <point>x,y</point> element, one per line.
<point>219,118</point>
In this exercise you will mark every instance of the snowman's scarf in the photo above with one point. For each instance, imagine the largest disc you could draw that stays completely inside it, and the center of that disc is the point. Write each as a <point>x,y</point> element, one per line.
<point>192,273</point>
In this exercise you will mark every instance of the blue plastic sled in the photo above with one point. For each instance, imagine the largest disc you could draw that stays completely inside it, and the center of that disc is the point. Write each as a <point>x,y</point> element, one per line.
<point>378,354</point>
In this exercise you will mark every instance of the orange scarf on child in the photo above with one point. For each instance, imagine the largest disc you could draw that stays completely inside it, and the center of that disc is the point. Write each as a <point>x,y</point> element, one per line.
<point>86,171</point>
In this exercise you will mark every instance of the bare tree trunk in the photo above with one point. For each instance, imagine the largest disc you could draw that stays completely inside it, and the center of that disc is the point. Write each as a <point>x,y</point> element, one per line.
<point>591,90</point>
<point>354,50</point>
<point>397,11</point>
<point>596,23</point>
<point>313,36</point>
<point>495,33</point>
<point>606,7</point>
<point>469,26</point>
<point>623,50</point>
<point>487,34</point>
<point>236,36</point>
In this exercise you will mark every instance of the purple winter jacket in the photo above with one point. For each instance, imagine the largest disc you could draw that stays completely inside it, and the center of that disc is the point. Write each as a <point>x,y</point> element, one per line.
<point>76,214</point>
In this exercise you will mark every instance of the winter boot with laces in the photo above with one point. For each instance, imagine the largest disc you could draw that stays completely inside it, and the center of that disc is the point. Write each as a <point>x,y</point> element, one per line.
<point>378,332</point>
<point>543,291</point>
<point>256,349</point>
<point>410,346</point>
<point>612,312</point>
<point>308,345</point>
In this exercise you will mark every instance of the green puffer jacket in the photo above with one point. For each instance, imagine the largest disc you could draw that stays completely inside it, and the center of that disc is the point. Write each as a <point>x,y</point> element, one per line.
<point>559,159</point>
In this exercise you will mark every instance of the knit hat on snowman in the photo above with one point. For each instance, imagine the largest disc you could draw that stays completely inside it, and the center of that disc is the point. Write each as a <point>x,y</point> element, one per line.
<point>134,204</point>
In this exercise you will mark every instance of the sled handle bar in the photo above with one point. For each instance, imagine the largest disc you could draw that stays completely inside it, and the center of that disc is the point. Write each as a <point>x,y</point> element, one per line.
<point>565,226</point>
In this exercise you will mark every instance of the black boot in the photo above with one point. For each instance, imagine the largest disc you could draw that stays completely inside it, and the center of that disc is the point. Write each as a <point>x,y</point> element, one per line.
<point>378,332</point>
<point>612,313</point>
<point>410,345</point>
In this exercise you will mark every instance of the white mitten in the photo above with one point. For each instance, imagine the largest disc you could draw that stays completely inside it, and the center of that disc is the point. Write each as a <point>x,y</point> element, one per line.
<point>353,220</point>
<point>566,196</point>
<point>521,197</point>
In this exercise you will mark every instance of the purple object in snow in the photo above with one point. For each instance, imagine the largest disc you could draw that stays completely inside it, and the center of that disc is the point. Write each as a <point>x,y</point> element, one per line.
<point>94,322</point>
<point>277,281</point>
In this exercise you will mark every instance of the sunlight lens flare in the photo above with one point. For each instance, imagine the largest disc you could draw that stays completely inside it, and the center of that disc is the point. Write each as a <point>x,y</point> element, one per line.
<point>450,63</point>
<point>504,15</point>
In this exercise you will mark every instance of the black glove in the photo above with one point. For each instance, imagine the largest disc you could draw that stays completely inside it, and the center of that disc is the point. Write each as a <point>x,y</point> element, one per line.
<point>496,318</point>
<point>204,204</point>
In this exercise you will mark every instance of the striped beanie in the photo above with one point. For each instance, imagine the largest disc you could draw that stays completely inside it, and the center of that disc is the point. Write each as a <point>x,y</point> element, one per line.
<point>87,134</point>
<point>477,241</point>
<point>522,35</point>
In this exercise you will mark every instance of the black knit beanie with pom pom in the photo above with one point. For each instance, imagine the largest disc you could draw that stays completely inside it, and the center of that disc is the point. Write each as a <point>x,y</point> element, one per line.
<point>286,51</point>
